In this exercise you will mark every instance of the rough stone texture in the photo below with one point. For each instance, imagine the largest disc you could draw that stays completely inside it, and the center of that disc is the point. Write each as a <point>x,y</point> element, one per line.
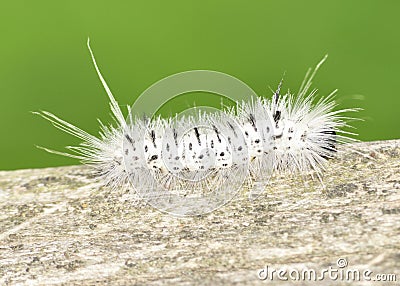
<point>59,226</point>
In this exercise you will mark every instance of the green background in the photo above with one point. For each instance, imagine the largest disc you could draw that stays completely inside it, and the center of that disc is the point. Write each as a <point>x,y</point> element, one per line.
<point>45,65</point>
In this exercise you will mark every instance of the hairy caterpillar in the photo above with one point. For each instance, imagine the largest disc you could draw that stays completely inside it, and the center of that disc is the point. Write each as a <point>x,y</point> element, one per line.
<point>205,158</point>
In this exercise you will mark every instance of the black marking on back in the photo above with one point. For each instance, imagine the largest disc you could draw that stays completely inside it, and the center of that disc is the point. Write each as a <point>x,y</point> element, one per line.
<point>232,127</point>
<point>217,132</point>
<point>129,138</point>
<point>153,138</point>
<point>196,131</point>
<point>277,117</point>
<point>175,136</point>
<point>252,121</point>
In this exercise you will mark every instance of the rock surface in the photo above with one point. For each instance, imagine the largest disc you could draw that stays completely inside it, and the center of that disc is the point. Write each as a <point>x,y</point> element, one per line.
<point>60,226</point>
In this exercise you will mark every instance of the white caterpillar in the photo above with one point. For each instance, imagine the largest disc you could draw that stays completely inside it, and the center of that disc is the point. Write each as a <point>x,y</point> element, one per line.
<point>212,153</point>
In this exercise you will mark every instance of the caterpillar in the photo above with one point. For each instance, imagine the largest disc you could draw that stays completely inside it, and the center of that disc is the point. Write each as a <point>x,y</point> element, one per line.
<point>192,164</point>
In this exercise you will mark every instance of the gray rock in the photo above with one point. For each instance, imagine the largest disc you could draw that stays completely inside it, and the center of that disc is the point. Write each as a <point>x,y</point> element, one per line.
<point>60,226</point>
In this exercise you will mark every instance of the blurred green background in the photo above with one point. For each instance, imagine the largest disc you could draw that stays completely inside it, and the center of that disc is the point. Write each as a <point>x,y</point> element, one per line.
<point>45,65</point>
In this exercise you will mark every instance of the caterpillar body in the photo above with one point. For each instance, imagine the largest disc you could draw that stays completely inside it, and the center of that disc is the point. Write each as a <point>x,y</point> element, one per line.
<point>211,155</point>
